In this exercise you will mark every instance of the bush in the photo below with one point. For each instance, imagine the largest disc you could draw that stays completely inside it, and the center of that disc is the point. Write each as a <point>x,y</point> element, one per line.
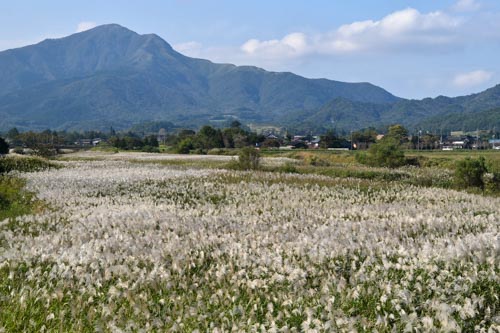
<point>248,159</point>
<point>386,153</point>
<point>185,146</point>
<point>150,149</point>
<point>470,172</point>
<point>492,182</point>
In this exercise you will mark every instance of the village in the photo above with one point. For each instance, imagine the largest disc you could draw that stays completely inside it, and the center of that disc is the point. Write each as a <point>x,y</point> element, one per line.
<point>236,136</point>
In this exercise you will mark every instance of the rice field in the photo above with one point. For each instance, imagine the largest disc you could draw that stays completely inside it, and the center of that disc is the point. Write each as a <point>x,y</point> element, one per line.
<point>150,247</point>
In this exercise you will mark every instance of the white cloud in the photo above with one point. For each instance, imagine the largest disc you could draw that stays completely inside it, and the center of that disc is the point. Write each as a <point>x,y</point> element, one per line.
<point>82,26</point>
<point>403,31</point>
<point>467,5</point>
<point>192,48</point>
<point>292,45</point>
<point>472,79</point>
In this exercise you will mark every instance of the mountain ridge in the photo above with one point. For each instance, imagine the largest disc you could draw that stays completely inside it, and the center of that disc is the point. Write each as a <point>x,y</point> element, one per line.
<point>112,75</point>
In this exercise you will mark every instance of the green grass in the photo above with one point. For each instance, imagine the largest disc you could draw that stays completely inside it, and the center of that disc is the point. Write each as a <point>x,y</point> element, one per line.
<point>447,159</point>
<point>24,164</point>
<point>14,200</point>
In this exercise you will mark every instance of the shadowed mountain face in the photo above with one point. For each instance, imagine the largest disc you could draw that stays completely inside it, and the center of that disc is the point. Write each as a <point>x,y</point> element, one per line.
<point>477,111</point>
<point>113,76</point>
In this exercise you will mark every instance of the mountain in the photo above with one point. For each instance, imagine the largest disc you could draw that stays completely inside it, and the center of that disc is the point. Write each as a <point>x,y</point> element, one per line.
<point>477,111</point>
<point>110,75</point>
<point>339,113</point>
<point>488,120</point>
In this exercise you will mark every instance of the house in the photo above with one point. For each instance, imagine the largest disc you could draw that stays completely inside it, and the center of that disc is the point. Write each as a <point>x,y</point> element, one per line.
<point>83,142</point>
<point>456,142</point>
<point>298,138</point>
<point>314,143</point>
<point>88,142</point>
<point>96,141</point>
<point>494,143</point>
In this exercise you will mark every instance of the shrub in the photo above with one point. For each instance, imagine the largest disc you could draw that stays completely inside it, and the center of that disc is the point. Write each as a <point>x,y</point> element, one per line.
<point>150,149</point>
<point>386,153</point>
<point>492,182</point>
<point>248,159</point>
<point>469,173</point>
<point>185,146</point>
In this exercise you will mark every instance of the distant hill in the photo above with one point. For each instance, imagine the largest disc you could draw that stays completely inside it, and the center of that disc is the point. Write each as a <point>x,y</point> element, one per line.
<point>487,120</point>
<point>113,76</point>
<point>477,111</point>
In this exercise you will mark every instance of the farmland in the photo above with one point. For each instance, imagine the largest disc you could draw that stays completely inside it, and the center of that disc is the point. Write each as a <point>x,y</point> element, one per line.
<point>150,242</point>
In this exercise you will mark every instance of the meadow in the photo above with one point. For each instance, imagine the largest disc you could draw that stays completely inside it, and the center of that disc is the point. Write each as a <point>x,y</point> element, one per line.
<point>154,243</point>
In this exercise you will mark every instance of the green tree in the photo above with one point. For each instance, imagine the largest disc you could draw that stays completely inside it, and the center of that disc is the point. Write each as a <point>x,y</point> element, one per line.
<point>185,146</point>
<point>151,141</point>
<point>4,147</point>
<point>398,132</point>
<point>470,172</point>
<point>330,140</point>
<point>209,137</point>
<point>271,143</point>
<point>235,124</point>
<point>364,137</point>
<point>385,153</point>
<point>42,144</point>
<point>13,133</point>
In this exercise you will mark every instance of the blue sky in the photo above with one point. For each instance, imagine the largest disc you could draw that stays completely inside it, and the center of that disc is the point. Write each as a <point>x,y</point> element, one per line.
<point>414,49</point>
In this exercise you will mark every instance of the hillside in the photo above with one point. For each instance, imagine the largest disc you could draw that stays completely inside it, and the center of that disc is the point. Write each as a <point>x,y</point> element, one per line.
<point>111,75</point>
<point>467,113</point>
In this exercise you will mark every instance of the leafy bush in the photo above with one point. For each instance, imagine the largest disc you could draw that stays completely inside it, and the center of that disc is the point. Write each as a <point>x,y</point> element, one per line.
<point>248,159</point>
<point>185,146</point>
<point>492,182</point>
<point>469,173</point>
<point>386,153</point>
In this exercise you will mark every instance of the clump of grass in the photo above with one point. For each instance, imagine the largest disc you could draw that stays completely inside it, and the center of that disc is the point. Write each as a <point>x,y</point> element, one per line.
<point>24,164</point>
<point>14,200</point>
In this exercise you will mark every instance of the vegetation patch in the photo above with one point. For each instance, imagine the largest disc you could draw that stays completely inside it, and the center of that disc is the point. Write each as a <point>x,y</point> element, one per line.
<point>25,164</point>
<point>15,200</point>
